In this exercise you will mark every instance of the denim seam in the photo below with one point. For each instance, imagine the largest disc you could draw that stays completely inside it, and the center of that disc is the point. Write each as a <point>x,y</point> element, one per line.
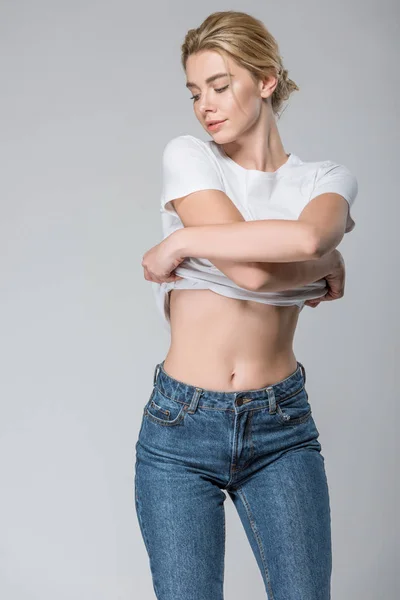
<point>296,421</point>
<point>249,460</point>
<point>141,524</point>
<point>253,526</point>
<point>232,462</point>
<point>251,437</point>
<point>178,419</point>
<point>163,410</point>
<point>228,409</point>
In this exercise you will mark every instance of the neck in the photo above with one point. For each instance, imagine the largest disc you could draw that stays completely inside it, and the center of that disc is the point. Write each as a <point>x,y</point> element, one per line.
<point>260,147</point>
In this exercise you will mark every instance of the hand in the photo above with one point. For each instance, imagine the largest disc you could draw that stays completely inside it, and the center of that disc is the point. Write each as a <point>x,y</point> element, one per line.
<point>335,280</point>
<point>160,261</point>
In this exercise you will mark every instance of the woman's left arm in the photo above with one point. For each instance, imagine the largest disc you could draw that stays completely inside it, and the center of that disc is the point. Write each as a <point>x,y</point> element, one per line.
<point>269,240</point>
<point>318,230</point>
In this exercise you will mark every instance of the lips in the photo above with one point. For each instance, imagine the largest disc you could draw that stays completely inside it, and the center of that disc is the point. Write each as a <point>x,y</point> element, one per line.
<point>214,122</point>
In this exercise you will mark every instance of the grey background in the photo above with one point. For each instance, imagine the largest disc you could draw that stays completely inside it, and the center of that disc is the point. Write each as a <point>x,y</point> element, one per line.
<point>90,94</point>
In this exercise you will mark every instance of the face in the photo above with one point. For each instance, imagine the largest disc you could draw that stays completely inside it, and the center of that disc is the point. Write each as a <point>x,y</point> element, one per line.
<point>238,104</point>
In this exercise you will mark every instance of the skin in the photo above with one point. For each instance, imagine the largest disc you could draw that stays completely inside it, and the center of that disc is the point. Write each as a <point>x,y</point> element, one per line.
<point>222,343</point>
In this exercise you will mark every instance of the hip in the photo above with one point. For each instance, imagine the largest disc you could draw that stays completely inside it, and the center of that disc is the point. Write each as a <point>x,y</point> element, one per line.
<point>232,433</point>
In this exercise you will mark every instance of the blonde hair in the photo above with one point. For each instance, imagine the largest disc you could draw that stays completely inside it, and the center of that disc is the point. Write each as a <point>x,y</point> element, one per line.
<point>248,42</point>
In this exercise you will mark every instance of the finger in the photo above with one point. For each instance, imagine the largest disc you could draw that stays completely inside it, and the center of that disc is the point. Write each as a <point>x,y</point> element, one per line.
<point>314,304</point>
<point>150,276</point>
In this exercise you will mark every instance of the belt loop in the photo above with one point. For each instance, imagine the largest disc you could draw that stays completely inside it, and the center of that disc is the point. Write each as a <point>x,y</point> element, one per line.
<point>271,401</point>
<point>194,401</point>
<point>156,371</point>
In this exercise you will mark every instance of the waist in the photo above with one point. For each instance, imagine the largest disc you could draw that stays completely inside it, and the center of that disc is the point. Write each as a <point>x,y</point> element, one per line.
<point>224,399</point>
<point>224,343</point>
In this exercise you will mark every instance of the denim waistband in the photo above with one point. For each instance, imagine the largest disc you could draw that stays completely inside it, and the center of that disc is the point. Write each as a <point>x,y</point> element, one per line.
<point>184,392</point>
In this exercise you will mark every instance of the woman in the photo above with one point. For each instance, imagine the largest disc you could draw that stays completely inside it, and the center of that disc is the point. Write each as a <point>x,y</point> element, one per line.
<point>250,236</point>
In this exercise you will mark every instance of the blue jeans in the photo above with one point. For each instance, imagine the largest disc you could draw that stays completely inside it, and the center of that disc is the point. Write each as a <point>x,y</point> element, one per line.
<point>259,445</point>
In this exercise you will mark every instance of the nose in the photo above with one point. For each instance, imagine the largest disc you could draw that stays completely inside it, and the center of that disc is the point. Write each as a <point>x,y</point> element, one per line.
<point>207,109</point>
<point>206,106</point>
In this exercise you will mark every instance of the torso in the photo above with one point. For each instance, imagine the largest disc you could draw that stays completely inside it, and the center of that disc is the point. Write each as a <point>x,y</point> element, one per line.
<point>226,344</point>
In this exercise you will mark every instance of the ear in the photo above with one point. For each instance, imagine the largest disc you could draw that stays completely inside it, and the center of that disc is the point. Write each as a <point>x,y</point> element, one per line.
<point>268,84</point>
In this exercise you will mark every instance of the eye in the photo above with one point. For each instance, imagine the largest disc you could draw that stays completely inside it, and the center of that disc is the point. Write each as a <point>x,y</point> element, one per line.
<point>219,91</point>
<point>222,89</point>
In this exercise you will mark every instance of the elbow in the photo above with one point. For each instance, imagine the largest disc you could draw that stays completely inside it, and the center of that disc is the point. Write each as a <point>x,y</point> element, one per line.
<point>259,282</point>
<point>323,247</point>
<point>319,244</point>
<point>313,246</point>
<point>254,281</point>
<point>250,284</point>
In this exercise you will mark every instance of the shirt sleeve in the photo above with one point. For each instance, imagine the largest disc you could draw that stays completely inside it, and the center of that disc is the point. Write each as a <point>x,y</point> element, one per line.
<point>187,167</point>
<point>332,177</point>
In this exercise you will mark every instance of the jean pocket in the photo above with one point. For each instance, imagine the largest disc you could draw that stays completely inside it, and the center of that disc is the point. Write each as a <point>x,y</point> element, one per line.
<point>163,410</point>
<point>295,409</point>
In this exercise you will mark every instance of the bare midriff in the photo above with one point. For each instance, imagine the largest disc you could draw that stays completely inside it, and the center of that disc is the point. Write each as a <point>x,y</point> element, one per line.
<point>227,344</point>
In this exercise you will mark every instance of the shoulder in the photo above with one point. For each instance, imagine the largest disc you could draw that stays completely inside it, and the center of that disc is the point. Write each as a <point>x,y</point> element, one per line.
<point>329,167</point>
<point>321,167</point>
<point>333,174</point>
<point>182,143</point>
<point>189,152</point>
<point>328,171</point>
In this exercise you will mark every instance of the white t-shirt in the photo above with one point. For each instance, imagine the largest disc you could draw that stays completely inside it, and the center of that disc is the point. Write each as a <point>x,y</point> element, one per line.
<point>190,164</point>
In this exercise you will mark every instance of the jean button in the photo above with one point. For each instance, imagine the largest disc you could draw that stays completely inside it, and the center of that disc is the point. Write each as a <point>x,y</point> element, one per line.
<point>239,401</point>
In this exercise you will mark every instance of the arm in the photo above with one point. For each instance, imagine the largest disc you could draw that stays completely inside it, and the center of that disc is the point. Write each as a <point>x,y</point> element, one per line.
<point>215,229</point>
<point>215,207</point>
<point>268,240</point>
<point>318,230</point>
<point>193,190</point>
<point>212,208</point>
<point>284,276</point>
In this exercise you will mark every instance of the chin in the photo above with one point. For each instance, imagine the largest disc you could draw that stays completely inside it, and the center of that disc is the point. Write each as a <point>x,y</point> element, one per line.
<point>224,139</point>
<point>221,136</point>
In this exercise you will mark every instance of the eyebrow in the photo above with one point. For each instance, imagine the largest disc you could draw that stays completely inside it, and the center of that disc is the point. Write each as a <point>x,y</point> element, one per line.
<point>209,79</point>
